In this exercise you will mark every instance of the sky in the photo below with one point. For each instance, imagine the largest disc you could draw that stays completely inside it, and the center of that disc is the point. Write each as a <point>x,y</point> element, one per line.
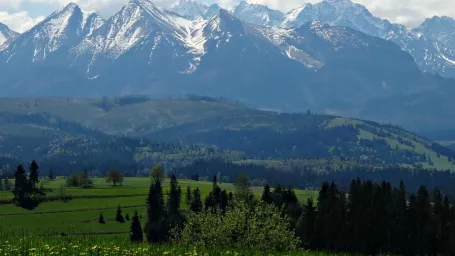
<point>21,15</point>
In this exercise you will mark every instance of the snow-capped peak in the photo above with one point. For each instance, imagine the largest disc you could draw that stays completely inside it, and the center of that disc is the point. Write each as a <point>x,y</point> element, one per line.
<point>190,9</point>
<point>258,14</point>
<point>62,29</point>
<point>339,13</point>
<point>6,35</point>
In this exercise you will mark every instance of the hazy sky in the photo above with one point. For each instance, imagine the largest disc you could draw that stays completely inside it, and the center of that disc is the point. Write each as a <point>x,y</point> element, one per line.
<point>20,15</point>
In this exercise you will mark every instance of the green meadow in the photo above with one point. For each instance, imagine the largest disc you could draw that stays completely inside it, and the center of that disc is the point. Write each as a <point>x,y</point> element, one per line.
<point>79,215</point>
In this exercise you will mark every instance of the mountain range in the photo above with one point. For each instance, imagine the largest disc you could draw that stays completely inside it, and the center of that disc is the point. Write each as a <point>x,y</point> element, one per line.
<point>332,57</point>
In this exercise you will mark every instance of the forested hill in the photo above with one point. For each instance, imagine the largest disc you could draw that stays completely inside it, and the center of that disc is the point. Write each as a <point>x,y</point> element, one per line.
<point>104,128</point>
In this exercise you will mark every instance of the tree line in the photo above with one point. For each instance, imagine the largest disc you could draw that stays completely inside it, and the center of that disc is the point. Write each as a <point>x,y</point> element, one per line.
<point>369,218</point>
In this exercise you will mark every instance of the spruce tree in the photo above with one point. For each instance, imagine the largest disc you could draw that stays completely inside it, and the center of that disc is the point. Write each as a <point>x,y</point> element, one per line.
<point>305,228</point>
<point>34,175</point>
<point>155,227</point>
<point>127,217</point>
<point>189,197</point>
<point>136,233</point>
<point>101,219</point>
<point>267,195</point>
<point>196,203</point>
<point>224,201</point>
<point>119,216</point>
<point>21,189</point>
<point>50,175</point>
<point>173,202</point>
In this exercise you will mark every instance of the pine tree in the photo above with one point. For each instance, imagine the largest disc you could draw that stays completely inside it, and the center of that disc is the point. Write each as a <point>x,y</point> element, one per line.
<point>119,216</point>
<point>267,195</point>
<point>224,201</point>
<point>156,227</point>
<point>34,175</point>
<point>127,217</point>
<point>101,219</point>
<point>136,233</point>
<point>305,225</point>
<point>6,185</point>
<point>189,197</point>
<point>173,202</point>
<point>50,175</point>
<point>196,203</point>
<point>21,185</point>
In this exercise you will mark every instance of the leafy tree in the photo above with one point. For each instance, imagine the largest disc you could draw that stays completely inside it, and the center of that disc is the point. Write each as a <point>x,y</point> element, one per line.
<point>136,233</point>
<point>119,216</point>
<point>114,176</point>
<point>73,181</point>
<point>261,228</point>
<point>157,173</point>
<point>101,219</point>
<point>196,203</point>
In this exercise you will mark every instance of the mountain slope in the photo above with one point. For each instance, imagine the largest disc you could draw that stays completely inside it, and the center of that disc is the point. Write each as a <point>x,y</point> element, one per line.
<point>190,9</point>
<point>258,14</point>
<point>206,121</point>
<point>6,35</point>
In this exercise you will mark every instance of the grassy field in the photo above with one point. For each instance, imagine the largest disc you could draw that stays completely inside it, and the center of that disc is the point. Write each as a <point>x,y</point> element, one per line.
<point>95,246</point>
<point>79,215</point>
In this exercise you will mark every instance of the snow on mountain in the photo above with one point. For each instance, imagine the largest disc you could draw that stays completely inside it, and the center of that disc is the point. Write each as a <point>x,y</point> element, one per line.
<point>430,44</point>
<point>339,13</point>
<point>258,14</point>
<point>61,30</point>
<point>190,9</point>
<point>6,35</point>
<point>213,10</point>
<point>134,22</point>
<point>441,29</point>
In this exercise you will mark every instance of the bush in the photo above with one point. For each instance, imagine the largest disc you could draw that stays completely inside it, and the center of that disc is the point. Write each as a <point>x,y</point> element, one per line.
<point>261,228</point>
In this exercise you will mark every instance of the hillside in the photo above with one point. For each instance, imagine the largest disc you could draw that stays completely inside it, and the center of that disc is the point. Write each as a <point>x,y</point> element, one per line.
<point>43,127</point>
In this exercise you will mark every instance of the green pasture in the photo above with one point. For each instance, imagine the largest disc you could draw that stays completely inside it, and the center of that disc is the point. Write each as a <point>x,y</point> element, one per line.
<point>79,215</point>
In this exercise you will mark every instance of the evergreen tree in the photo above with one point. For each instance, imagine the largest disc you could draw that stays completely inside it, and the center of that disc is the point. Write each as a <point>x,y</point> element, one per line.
<point>224,201</point>
<point>6,185</point>
<point>21,189</point>
<point>119,216</point>
<point>50,175</point>
<point>155,227</point>
<point>136,233</point>
<point>305,225</point>
<point>267,195</point>
<point>173,202</point>
<point>196,203</point>
<point>34,175</point>
<point>189,197</point>
<point>101,219</point>
<point>127,217</point>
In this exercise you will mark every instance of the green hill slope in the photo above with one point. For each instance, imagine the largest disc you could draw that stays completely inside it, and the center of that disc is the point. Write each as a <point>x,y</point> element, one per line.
<point>39,127</point>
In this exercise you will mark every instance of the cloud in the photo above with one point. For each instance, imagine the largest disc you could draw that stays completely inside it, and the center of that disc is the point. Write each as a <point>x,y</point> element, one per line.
<point>19,21</point>
<point>408,12</point>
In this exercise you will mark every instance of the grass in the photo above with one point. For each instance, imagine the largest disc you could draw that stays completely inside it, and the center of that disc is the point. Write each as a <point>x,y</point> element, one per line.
<point>79,215</point>
<point>115,245</point>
